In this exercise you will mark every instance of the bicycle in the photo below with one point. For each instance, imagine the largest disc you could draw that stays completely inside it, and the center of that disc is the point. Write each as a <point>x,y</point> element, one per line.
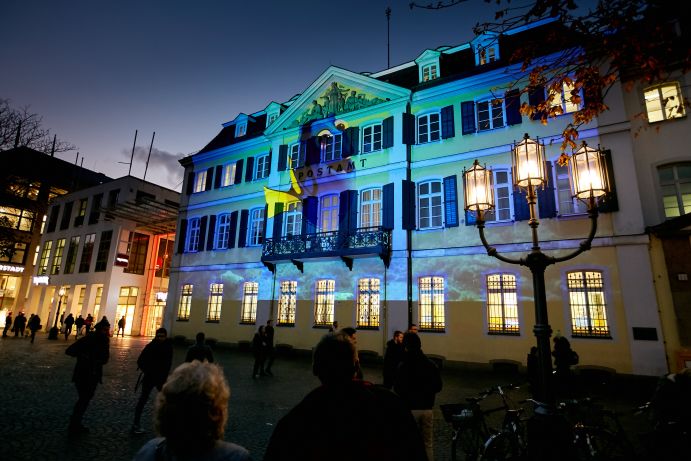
<point>474,437</point>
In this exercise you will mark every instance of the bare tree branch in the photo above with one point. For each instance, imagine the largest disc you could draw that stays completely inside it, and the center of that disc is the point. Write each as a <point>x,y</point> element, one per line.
<point>31,131</point>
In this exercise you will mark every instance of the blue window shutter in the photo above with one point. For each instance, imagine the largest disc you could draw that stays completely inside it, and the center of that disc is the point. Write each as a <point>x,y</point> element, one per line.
<point>238,172</point>
<point>352,141</point>
<point>609,202</point>
<point>512,101</point>
<point>408,198</point>
<point>387,132</point>
<point>468,117</point>
<point>182,236</point>
<point>313,153</point>
<point>233,228</point>
<point>266,220</point>
<point>448,129</point>
<point>217,177</point>
<point>190,183</point>
<point>202,232</point>
<point>352,212</point>
<point>269,159</point>
<point>408,128</point>
<point>309,215</point>
<point>343,211</point>
<point>278,220</point>
<point>249,170</point>
<point>450,202</point>
<point>211,232</point>
<point>546,200</point>
<point>242,238</point>
<point>388,206</point>
<point>302,153</point>
<point>536,95</point>
<point>209,178</point>
<point>470,218</point>
<point>283,157</point>
<point>521,209</point>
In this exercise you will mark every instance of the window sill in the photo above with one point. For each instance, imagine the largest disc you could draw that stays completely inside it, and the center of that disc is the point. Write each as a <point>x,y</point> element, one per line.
<point>571,216</point>
<point>367,327</point>
<point>430,229</point>
<point>248,322</point>
<point>213,321</point>
<point>504,333</point>
<point>286,325</point>
<point>428,142</point>
<point>508,222</point>
<point>183,319</point>
<point>429,330</point>
<point>321,327</point>
<point>579,336</point>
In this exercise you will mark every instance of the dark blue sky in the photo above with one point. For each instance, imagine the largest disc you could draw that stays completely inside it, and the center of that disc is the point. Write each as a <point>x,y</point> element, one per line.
<point>99,70</point>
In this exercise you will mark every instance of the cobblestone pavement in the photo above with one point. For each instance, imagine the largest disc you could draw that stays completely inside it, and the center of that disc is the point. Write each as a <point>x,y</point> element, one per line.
<point>37,398</point>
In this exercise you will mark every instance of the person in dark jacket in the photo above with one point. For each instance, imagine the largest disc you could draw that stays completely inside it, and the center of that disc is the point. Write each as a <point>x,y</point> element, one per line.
<point>34,326</point>
<point>363,421</point>
<point>92,352</point>
<point>20,324</point>
<point>417,382</point>
<point>69,322</point>
<point>200,350</point>
<point>155,362</point>
<point>564,358</point>
<point>269,335</point>
<point>259,350</point>
<point>79,324</point>
<point>8,324</point>
<point>392,357</point>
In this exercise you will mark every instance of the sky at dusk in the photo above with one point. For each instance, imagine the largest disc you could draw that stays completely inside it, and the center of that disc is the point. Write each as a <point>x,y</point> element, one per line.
<point>99,70</point>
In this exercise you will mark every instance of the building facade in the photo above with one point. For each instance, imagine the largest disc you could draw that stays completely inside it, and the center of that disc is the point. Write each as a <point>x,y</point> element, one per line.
<point>106,251</point>
<point>346,203</point>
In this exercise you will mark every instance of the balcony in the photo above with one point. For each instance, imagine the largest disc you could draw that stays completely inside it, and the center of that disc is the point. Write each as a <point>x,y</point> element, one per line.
<point>299,248</point>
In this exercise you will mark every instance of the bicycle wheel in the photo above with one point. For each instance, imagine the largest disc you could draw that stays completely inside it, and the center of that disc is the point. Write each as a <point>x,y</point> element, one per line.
<point>596,444</point>
<point>502,446</point>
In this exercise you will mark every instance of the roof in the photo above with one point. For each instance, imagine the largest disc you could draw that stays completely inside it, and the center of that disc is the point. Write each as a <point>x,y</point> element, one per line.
<point>149,215</point>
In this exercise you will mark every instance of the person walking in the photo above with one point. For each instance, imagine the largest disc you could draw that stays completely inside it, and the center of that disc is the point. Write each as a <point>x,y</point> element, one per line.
<point>200,350</point>
<point>8,324</point>
<point>417,382</point>
<point>259,351</point>
<point>34,326</point>
<point>69,322</point>
<point>121,326</point>
<point>88,322</point>
<point>79,324</point>
<point>392,357</point>
<point>155,361</point>
<point>20,324</point>
<point>92,352</point>
<point>269,335</point>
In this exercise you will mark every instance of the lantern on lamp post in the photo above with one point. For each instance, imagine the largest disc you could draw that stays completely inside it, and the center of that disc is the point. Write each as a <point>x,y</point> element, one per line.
<point>589,181</point>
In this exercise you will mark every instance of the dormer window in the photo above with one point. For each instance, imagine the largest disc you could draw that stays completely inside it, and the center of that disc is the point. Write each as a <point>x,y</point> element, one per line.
<point>487,55</point>
<point>271,118</point>
<point>486,49</point>
<point>240,129</point>
<point>429,73</point>
<point>428,65</point>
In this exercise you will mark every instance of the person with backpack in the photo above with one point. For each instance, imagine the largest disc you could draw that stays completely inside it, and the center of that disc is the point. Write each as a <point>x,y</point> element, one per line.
<point>154,361</point>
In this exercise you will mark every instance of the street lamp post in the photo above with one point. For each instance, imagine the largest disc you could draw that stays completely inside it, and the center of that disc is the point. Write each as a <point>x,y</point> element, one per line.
<point>53,333</point>
<point>589,181</point>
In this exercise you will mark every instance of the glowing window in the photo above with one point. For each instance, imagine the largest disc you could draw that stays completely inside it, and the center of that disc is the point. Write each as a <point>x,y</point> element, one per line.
<point>587,301</point>
<point>200,181</point>
<point>229,174</point>
<point>430,72</point>
<point>287,301</point>
<point>324,302</point>
<point>431,303</point>
<point>193,229</point>
<point>370,208</point>
<point>292,219</point>
<point>428,128</point>
<point>213,313</point>
<point>503,203</point>
<point>664,102</point>
<point>368,303</point>
<point>371,138</point>
<point>185,302</point>
<point>490,114</point>
<point>329,213</point>
<point>567,204</point>
<point>248,313</point>
<point>430,204</point>
<point>502,304</point>
<point>487,54</point>
<point>45,254</point>
<point>563,98</point>
<point>675,184</point>
<point>57,257</point>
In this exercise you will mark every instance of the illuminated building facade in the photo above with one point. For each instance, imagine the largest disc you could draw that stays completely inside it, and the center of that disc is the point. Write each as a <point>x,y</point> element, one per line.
<point>108,249</point>
<point>345,203</point>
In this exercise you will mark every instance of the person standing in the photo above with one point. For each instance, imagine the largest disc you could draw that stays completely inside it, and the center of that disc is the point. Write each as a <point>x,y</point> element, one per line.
<point>417,382</point>
<point>392,357</point>
<point>155,362</point>
<point>334,327</point>
<point>88,321</point>
<point>200,350</point>
<point>20,324</point>
<point>69,322</point>
<point>121,326</point>
<point>269,335</point>
<point>564,357</point>
<point>92,352</point>
<point>79,324</point>
<point>34,326</point>
<point>8,324</point>
<point>259,351</point>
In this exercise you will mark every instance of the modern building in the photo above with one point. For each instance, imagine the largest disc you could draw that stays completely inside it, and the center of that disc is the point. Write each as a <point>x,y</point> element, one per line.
<point>346,203</point>
<point>106,251</point>
<point>30,181</point>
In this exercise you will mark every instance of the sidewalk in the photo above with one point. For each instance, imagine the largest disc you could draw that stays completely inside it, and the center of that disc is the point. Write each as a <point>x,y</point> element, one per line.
<point>38,396</point>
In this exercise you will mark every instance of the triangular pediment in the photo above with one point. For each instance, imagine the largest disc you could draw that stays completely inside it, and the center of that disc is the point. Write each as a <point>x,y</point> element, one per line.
<point>337,92</point>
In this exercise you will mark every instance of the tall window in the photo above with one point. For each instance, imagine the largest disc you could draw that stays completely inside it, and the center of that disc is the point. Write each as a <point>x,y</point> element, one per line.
<point>292,219</point>
<point>431,303</point>
<point>57,257</point>
<point>103,251</point>
<point>567,204</point>
<point>329,213</point>
<point>675,182</point>
<point>66,215</point>
<point>71,258</point>
<point>370,208</point>
<point>97,300</point>
<point>663,102</point>
<point>193,227</point>
<point>502,197</point>
<point>294,156</point>
<point>255,230</point>
<point>213,313</point>
<point>137,249</point>
<point>81,213</point>
<point>45,255</point>
<point>490,114</point>
<point>368,303</point>
<point>430,204</point>
<point>330,147</point>
<point>430,72</point>
<point>324,302</point>
<point>228,178</point>
<point>563,99</point>
<point>287,302</point>
<point>262,167</point>
<point>222,231</point>
<point>587,301</point>
<point>95,212</point>
<point>502,304</point>
<point>371,138</point>
<point>200,181</point>
<point>248,313</point>
<point>185,302</point>
<point>87,253</point>
<point>428,128</point>
<point>80,298</point>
